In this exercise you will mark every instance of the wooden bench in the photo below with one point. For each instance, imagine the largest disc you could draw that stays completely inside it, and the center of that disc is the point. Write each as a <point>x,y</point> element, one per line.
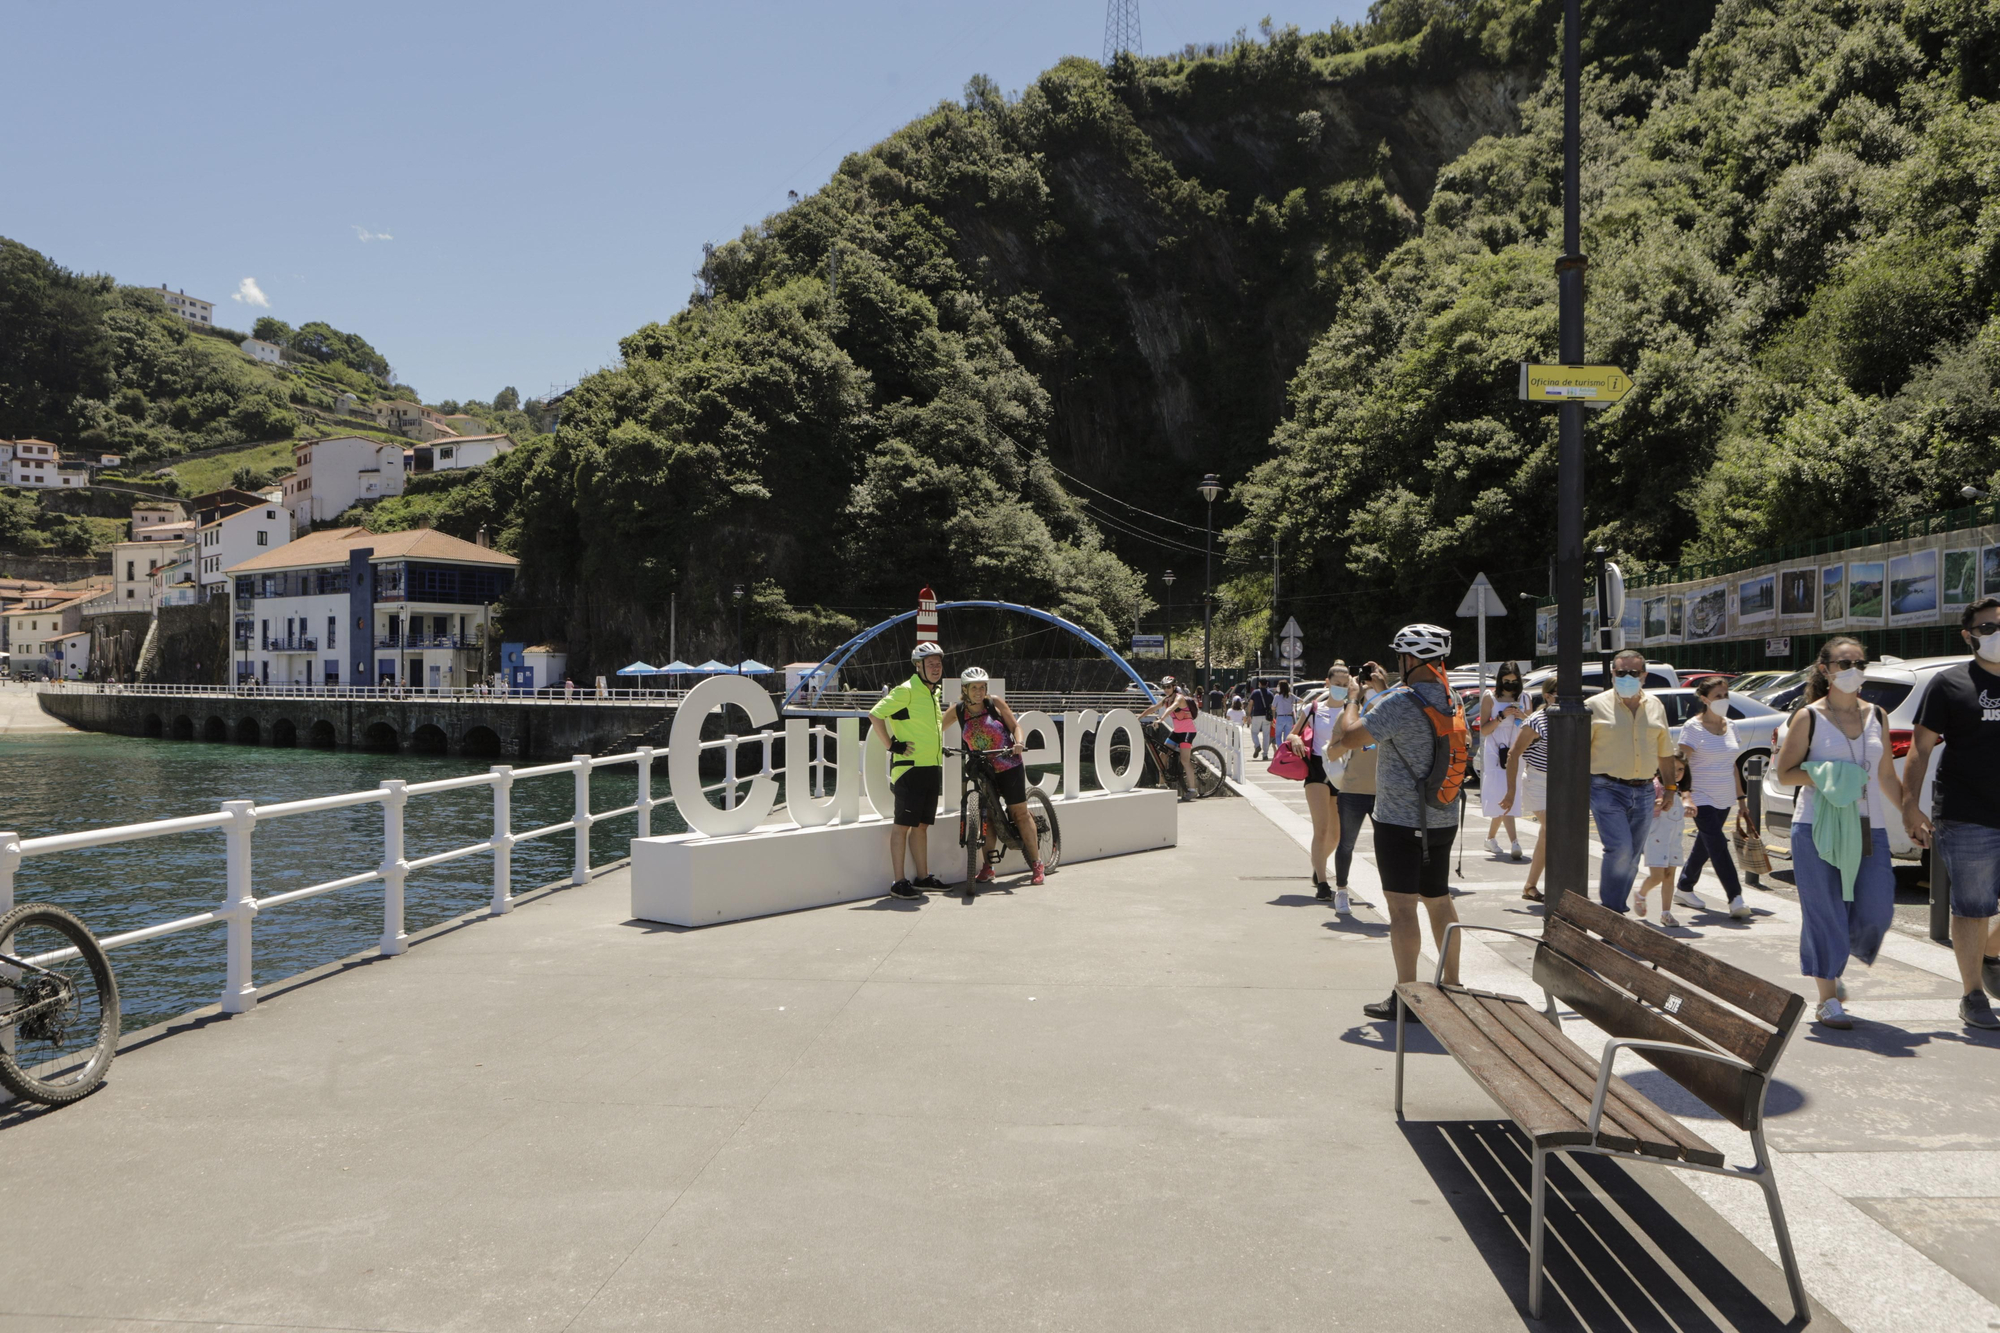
<point>1713,1028</point>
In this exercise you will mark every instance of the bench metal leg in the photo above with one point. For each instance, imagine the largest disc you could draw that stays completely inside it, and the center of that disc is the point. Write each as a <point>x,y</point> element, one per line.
<point>1535,1232</point>
<point>1769,1181</point>
<point>1399,1056</point>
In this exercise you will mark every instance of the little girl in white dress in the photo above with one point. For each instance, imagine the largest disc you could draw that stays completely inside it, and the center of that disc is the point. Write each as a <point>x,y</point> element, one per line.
<point>1665,853</point>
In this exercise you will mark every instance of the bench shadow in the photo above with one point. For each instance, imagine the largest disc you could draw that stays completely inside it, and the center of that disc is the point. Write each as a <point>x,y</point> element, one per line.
<point>1783,1098</point>
<point>1603,1270</point>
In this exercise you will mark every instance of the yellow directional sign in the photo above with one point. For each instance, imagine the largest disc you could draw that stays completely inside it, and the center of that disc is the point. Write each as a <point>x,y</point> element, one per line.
<point>1592,386</point>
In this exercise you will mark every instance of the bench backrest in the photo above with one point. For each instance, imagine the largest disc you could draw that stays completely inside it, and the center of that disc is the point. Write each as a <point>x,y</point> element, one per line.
<point>1632,981</point>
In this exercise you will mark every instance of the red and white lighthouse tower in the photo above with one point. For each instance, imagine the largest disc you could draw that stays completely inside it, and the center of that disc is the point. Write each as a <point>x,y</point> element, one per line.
<point>927,616</point>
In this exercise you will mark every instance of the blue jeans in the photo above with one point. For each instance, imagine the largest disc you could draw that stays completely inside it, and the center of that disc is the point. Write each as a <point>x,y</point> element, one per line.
<point>1260,729</point>
<point>1624,816</point>
<point>1834,928</point>
<point>1971,854</point>
<point>1354,807</point>
<point>1711,843</point>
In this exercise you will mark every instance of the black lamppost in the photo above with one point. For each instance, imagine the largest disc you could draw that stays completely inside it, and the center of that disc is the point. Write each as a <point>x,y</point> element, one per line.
<point>1210,487</point>
<point>1569,723</point>
<point>738,596</point>
<point>1168,579</point>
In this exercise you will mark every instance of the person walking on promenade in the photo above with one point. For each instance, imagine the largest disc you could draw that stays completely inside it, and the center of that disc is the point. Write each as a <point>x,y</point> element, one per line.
<point>1316,739</point>
<point>1528,781</point>
<point>1709,746</point>
<point>1962,709</point>
<point>1236,712</point>
<point>910,722</point>
<point>1836,752</point>
<point>1500,712</point>
<point>1355,802</point>
<point>1631,750</point>
<point>1665,852</point>
<point>1179,709</point>
<point>1260,719</point>
<point>1412,840</point>
<point>1284,707</point>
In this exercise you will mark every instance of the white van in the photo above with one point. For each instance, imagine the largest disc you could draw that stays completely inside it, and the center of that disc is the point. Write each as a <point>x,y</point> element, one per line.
<point>1659,676</point>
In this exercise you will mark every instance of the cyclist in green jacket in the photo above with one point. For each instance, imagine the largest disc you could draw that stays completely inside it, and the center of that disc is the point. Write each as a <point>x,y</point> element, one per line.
<point>910,721</point>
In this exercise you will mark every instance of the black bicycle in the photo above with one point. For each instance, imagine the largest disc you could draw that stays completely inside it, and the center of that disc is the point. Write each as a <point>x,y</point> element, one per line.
<point>1165,752</point>
<point>982,812</point>
<point>58,1006</point>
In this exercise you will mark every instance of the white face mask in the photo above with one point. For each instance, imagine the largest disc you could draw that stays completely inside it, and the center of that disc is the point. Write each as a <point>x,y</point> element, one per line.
<point>1336,693</point>
<point>1627,686</point>
<point>1989,647</point>
<point>1849,680</point>
<point>1719,707</point>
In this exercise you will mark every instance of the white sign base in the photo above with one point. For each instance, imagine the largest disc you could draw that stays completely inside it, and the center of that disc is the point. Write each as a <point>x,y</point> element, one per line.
<point>687,879</point>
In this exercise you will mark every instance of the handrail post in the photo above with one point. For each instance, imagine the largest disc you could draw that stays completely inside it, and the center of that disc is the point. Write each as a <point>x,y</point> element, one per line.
<point>239,908</point>
<point>503,839</point>
<point>395,866</point>
<point>580,872</point>
<point>10,861</point>
<point>645,791</point>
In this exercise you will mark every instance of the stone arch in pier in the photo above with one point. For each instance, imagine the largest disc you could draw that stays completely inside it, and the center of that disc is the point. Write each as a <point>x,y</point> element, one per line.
<point>154,725</point>
<point>215,729</point>
<point>481,742</point>
<point>380,736</point>
<point>249,731</point>
<point>284,732</point>
<point>183,728</point>
<point>428,739</point>
<point>322,735</point>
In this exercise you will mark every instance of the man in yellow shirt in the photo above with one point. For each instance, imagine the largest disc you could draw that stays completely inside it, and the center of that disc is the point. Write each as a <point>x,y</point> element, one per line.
<point>910,722</point>
<point>1630,745</point>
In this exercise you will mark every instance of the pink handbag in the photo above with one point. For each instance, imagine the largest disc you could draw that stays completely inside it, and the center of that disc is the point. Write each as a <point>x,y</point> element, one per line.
<point>1287,765</point>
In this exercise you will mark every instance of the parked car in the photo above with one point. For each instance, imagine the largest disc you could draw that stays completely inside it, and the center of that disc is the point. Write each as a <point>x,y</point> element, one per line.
<point>1659,676</point>
<point>1756,723</point>
<point>1899,689</point>
<point>1750,682</point>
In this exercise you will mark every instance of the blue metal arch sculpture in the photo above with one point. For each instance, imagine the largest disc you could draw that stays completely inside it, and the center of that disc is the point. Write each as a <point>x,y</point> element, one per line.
<point>830,667</point>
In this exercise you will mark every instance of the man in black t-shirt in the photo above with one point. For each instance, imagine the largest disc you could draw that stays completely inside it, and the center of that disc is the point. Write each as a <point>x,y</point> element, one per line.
<point>1962,709</point>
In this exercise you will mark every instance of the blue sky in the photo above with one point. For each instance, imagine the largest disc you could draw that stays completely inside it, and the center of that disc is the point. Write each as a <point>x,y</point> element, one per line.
<point>491,194</point>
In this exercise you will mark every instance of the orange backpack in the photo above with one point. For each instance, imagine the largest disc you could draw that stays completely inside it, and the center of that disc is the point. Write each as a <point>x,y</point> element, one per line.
<point>1450,753</point>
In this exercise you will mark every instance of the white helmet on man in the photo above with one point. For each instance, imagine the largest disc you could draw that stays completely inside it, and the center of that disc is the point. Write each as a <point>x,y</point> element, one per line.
<point>973,676</point>
<point>923,650</point>
<point>1423,642</point>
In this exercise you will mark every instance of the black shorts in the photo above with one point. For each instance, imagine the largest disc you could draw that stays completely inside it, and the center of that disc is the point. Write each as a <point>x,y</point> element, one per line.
<point>1013,784</point>
<point>917,792</point>
<point>1400,860</point>
<point>1316,772</point>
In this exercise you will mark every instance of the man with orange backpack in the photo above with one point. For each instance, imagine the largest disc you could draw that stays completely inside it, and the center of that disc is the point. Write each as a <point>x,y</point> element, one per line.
<point>1418,729</point>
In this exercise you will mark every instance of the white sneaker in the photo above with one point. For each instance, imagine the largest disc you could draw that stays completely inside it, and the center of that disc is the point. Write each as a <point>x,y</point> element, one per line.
<point>1493,846</point>
<point>1739,909</point>
<point>1831,1014</point>
<point>1690,900</point>
<point>1667,919</point>
<point>1340,906</point>
<point>1517,853</point>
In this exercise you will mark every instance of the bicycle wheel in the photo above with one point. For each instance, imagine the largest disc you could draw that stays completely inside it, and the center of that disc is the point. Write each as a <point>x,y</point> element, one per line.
<point>61,1012</point>
<point>1048,833</point>
<point>1208,770</point>
<point>972,832</point>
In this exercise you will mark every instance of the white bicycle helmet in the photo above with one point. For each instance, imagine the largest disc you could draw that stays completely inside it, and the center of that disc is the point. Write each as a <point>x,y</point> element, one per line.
<point>1423,642</point>
<point>972,675</point>
<point>923,650</point>
<point>1166,682</point>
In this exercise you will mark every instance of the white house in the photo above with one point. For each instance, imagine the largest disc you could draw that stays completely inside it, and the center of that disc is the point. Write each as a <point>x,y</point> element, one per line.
<point>349,606</point>
<point>177,579</point>
<point>190,308</point>
<point>152,514</point>
<point>445,454</point>
<point>258,349</point>
<point>68,655</point>
<point>38,621</point>
<point>333,473</point>
<point>234,538</point>
<point>30,463</point>
<point>133,565</point>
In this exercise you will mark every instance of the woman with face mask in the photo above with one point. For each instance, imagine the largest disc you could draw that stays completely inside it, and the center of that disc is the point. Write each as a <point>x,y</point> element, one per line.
<point>1500,712</point>
<point>1315,737</point>
<point>1836,752</point>
<point>1710,748</point>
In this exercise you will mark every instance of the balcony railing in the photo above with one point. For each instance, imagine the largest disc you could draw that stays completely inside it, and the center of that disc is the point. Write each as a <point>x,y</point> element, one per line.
<point>463,642</point>
<point>278,643</point>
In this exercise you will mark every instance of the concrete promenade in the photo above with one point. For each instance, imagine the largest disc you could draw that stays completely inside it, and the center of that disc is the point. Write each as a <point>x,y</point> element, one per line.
<point>1140,1097</point>
<point>21,711</point>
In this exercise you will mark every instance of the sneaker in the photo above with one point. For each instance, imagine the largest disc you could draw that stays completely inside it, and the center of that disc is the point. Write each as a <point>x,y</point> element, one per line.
<point>1039,873</point>
<point>1739,909</point>
<point>1832,1015</point>
<point>1493,847</point>
<point>1977,1011</point>
<point>1340,906</point>
<point>1322,891</point>
<point>985,875</point>
<point>927,882</point>
<point>902,888</point>
<point>1686,898</point>
<point>1989,972</point>
<point>1667,919</point>
<point>1516,852</point>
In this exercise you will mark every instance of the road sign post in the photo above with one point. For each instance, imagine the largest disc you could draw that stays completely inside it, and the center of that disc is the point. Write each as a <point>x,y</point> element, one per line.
<point>1291,646</point>
<point>1482,601</point>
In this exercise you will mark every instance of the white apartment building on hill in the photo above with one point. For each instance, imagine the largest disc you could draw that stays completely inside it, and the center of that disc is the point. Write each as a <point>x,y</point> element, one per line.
<point>269,353</point>
<point>190,308</point>
<point>133,565</point>
<point>236,537</point>
<point>149,516</point>
<point>335,472</point>
<point>351,607</point>
<point>38,463</point>
<point>445,454</point>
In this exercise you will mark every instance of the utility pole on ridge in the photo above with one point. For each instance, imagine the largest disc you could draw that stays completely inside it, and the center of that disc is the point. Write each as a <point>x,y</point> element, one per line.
<point>1121,29</point>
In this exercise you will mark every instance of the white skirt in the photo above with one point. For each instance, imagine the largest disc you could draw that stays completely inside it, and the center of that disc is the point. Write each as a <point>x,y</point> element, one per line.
<point>1663,842</point>
<point>1533,797</point>
<point>1493,783</point>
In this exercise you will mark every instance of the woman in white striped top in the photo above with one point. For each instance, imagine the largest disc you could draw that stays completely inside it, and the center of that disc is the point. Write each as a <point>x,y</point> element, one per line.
<point>1531,751</point>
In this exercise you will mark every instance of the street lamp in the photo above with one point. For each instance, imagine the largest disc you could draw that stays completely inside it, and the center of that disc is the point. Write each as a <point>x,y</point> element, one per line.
<point>1210,487</point>
<point>738,596</point>
<point>1168,579</point>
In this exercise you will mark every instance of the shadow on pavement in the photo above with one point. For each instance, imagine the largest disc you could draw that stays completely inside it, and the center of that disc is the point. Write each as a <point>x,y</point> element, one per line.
<point>1604,1270</point>
<point>1783,1098</point>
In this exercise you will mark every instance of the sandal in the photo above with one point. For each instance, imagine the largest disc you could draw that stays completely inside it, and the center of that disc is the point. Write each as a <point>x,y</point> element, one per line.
<point>1532,894</point>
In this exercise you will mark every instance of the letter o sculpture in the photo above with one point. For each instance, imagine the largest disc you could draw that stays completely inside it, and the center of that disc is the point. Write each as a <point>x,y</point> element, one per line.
<point>684,756</point>
<point>1126,721</point>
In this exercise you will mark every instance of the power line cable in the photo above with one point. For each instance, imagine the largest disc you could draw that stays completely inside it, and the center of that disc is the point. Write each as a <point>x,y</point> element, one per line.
<point>1191,527</point>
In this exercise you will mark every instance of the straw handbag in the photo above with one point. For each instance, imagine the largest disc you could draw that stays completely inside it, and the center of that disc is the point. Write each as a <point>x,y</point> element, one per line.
<point>1750,854</point>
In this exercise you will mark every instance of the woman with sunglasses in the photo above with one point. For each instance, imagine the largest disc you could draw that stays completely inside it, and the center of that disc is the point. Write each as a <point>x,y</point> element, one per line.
<point>1710,748</point>
<point>1315,739</point>
<point>1500,712</point>
<point>1836,752</point>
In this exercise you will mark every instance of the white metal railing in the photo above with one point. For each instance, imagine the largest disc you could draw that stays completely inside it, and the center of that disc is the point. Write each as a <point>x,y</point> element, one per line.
<point>238,820</point>
<point>1225,736</point>
<point>455,693</point>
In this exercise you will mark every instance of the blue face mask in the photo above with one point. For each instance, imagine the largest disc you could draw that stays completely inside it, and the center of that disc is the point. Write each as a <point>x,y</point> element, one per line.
<point>1627,686</point>
<point>1336,693</point>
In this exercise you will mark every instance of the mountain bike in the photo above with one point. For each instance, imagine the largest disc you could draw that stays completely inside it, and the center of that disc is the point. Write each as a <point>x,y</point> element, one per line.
<point>982,811</point>
<point>1166,756</point>
<point>58,1006</point>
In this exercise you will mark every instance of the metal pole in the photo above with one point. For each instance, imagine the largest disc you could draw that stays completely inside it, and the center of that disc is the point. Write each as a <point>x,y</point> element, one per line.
<point>1569,725</point>
<point>1207,601</point>
<point>239,909</point>
<point>580,869</point>
<point>395,866</point>
<point>503,839</point>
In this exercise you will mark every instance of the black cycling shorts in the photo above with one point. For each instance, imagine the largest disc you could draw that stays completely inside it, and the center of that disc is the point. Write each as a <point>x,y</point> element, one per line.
<point>1316,772</point>
<point>917,792</point>
<point>1400,860</point>
<point>1013,784</point>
